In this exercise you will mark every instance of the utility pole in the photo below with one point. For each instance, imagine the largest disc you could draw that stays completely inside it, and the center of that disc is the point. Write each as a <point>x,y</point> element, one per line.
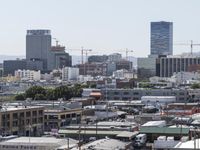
<point>96,129</point>
<point>79,137</point>
<point>106,99</point>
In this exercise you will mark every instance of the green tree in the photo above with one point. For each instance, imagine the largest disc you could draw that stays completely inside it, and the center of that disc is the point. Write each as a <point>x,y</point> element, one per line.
<point>20,97</point>
<point>195,86</point>
<point>32,91</point>
<point>77,91</point>
<point>50,94</point>
<point>145,85</point>
<point>93,85</point>
<point>63,92</point>
<point>40,97</point>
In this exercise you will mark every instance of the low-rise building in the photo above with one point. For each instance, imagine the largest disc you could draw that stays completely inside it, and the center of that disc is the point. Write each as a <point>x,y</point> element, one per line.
<point>123,74</point>
<point>28,75</point>
<point>105,144</point>
<point>38,143</point>
<point>22,120</point>
<point>136,93</point>
<point>158,100</point>
<point>56,118</point>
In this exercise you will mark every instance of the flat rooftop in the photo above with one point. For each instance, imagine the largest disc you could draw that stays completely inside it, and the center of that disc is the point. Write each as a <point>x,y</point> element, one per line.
<point>14,108</point>
<point>37,141</point>
<point>105,144</point>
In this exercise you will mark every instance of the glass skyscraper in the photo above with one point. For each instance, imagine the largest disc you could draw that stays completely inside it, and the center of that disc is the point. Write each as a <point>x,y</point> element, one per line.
<point>161,38</point>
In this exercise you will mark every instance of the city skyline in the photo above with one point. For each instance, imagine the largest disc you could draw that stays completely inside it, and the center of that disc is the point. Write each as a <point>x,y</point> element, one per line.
<point>101,25</point>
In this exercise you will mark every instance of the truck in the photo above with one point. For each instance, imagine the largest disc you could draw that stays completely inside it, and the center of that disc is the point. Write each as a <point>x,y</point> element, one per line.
<point>140,140</point>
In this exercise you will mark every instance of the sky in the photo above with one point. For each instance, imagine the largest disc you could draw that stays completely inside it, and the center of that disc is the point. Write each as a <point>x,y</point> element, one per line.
<point>105,26</point>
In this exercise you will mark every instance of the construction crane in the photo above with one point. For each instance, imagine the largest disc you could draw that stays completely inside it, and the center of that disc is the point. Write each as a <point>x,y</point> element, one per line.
<point>191,44</point>
<point>82,52</point>
<point>56,41</point>
<point>127,51</point>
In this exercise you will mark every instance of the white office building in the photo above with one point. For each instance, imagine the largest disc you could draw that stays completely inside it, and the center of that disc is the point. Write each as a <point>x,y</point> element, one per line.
<point>69,73</point>
<point>123,74</point>
<point>28,75</point>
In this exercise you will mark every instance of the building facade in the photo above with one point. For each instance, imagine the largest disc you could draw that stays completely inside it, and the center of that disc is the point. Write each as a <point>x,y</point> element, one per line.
<point>167,66</point>
<point>69,73</point>
<point>57,118</point>
<point>114,57</point>
<point>38,48</point>
<point>92,69</point>
<point>136,94</point>
<point>161,38</point>
<point>146,67</point>
<point>124,64</point>
<point>28,75</point>
<point>61,58</point>
<point>9,66</point>
<point>123,74</point>
<point>22,120</point>
<point>97,58</point>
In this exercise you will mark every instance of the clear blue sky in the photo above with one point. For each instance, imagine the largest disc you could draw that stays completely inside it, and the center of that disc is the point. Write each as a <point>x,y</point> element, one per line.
<point>101,25</point>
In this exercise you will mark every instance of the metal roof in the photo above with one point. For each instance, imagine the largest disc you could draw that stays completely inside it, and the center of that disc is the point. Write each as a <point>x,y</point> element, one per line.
<point>164,130</point>
<point>89,132</point>
<point>127,134</point>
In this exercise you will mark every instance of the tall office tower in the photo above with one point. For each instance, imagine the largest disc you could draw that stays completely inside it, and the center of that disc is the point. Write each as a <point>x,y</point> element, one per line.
<point>38,49</point>
<point>161,38</point>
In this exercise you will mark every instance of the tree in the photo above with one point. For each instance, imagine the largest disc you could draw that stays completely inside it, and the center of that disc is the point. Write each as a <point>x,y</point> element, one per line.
<point>195,86</point>
<point>145,85</point>
<point>63,92</point>
<point>77,92</point>
<point>50,94</point>
<point>32,91</point>
<point>93,85</point>
<point>40,97</point>
<point>20,97</point>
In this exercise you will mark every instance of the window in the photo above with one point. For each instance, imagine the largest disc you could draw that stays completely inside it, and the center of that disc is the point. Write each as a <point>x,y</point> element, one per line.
<point>15,116</point>
<point>28,114</point>
<point>116,98</point>
<point>73,115</point>
<point>116,93</point>
<point>34,120</point>
<point>15,123</point>
<point>126,93</point>
<point>22,114</point>
<point>62,116</point>
<point>27,121</point>
<point>53,117</point>
<point>68,116</point>
<point>34,113</point>
<point>40,120</point>
<point>40,112</point>
<point>135,93</point>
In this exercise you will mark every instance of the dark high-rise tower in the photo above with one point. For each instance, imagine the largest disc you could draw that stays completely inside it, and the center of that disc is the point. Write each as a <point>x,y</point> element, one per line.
<point>161,38</point>
<point>38,49</point>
